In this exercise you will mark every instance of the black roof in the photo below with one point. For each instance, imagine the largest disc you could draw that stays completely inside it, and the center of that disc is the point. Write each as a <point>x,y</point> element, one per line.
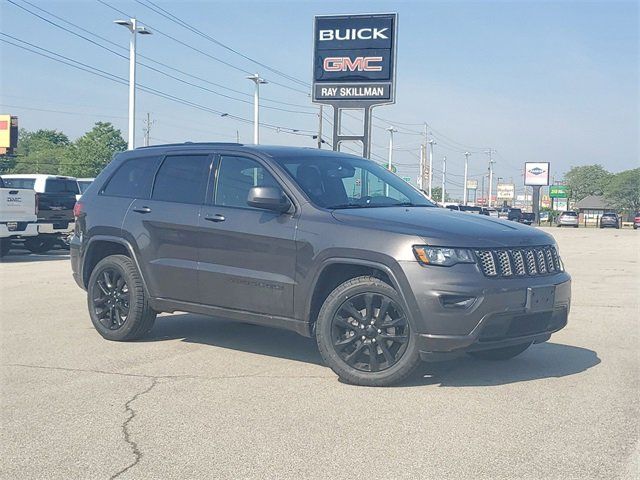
<point>271,150</point>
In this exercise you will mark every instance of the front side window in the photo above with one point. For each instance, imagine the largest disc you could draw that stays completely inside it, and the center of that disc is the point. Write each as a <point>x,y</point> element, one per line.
<point>182,179</point>
<point>133,178</point>
<point>343,181</point>
<point>236,176</point>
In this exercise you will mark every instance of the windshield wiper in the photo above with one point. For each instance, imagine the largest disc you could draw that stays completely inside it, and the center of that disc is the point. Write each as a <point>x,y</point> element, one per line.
<point>347,205</point>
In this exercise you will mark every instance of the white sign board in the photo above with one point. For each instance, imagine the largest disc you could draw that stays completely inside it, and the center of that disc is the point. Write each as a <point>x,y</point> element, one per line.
<point>536,173</point>
<point>505,191</point>
<point>472,184</point>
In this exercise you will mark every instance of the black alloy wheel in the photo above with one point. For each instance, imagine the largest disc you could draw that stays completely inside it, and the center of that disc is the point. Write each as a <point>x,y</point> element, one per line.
<point>110,299</point>
<point>370,332</point>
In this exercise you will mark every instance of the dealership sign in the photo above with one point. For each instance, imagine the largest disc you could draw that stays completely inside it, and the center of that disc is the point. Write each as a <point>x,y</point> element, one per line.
<point>354,59</point>
<point>536,173</point>
<point>472,184</point>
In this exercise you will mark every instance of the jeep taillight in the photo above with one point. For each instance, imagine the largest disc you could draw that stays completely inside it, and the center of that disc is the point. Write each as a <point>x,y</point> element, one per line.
<point>77,209</point>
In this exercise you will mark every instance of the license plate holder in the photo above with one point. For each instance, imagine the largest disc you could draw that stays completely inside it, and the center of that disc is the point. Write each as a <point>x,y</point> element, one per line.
<point>12,226</point>
<point>540,299</point>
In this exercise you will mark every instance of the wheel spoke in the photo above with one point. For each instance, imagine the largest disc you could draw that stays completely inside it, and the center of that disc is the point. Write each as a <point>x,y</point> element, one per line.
<point>120,283</point>
<point>352,311</point>
<point>395,338</point>
<point>102,287</point>
<point>107,279</point>
<point>384,308</point>
<point>342,344</point>
<point>387,354</point>
<point>368,307</point>
<point>373,357</point>
<point>395,322</point>
<point>343,323</point>
<point>352,356</point>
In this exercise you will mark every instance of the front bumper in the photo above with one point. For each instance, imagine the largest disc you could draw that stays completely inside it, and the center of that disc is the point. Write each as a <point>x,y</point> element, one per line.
<point>496,315</point>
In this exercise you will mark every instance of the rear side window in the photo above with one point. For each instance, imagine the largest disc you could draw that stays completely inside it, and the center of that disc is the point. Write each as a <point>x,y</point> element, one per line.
<point>133,179</point>
<point>182,179</point>
<point>27,183</point>
<point>61,185</point>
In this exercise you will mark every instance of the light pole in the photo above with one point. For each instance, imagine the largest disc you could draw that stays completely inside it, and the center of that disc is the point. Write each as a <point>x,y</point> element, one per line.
<point>255,78</point>
<point>390,164</point>
<point>431,143</point>
<point>132,26</point>
<point>491,162</point>
<point>444,178</point>
<point>466,172</point>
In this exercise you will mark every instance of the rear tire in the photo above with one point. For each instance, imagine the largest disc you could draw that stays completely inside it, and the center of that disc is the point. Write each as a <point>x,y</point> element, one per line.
<point>364,334</point>
<point>118,305</point>
<point>504,353</point>
<point>39,244</point>
<point>5,246</point>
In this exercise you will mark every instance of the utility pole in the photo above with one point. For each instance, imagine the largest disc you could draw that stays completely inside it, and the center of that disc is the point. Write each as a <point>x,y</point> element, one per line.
<point>424,172</point>
<point>255,78</point>
<point>444,178</point>
<point>237,136</point>
<point>147,130</point>
<point>431,143</point>
<point>320,126</point>
<point>132,26</point>
<point>466,174</point>
<point>491,162</point>
<point>391,130</point>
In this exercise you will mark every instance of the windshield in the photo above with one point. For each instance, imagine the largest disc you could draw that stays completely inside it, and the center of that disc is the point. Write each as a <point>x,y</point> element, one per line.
<point>344,181</point>
<point>569,214</point>
<point>83,185</point>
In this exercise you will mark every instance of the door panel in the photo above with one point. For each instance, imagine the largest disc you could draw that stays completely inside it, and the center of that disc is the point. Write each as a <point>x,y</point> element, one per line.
<point>247,256</point>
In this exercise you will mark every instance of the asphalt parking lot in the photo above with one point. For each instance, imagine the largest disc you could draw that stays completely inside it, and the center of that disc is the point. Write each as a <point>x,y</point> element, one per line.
<point>205,398</point>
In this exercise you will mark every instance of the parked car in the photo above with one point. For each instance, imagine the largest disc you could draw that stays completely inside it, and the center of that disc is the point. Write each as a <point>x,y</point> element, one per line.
<point>326,244</point>
<point>55,196</point>
<point>567,219</point>
<point>490,212</point>
<point>514,214</point>
<point>503,212</point>
<point>465,208</point>
<point>636,221</point>
<point>528,218</point>
<point>18,215</point>
<point>610,219</point>
<point>544,217</point>
<point>83,184</point>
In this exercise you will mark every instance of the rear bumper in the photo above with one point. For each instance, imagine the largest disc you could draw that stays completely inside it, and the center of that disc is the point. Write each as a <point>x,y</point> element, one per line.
<point>56,228</point>
<point>24,229</point>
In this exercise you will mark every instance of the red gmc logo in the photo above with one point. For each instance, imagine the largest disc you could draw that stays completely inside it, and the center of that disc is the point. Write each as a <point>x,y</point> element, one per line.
<point>358,64</point>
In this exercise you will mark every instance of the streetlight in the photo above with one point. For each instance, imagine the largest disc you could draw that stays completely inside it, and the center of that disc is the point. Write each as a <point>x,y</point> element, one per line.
<point>466,170</point>
<point>431,143</point>
<point>255,78</point>
<point>390,164</point>
<point>132,26</point>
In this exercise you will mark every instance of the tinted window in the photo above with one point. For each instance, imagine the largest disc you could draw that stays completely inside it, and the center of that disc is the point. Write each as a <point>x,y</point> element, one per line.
<point>133,179</point>
<point>61,185</point>
<point>570,214</point>
<point>182,179</point>
<point>236,176</point>
<point>27,183</point>
<point>344,181</point>
<point>84,184</point>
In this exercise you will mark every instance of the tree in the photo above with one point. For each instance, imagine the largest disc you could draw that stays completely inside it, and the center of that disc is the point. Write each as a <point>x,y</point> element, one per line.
<point>42,151</point>
<point>94,150</point>
<point>586,180</point>
<point>436,195</point>
<point>623,190</point>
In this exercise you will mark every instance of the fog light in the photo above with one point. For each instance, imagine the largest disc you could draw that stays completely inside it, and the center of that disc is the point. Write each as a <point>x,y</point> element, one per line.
<point>457,301</point>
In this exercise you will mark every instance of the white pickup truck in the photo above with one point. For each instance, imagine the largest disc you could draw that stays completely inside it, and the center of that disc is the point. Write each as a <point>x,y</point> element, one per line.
<point>18,215</point>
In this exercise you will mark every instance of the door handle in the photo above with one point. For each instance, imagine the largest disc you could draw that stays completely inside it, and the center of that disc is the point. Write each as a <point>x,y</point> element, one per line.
<point>142,210</point>
<point>215,218</point>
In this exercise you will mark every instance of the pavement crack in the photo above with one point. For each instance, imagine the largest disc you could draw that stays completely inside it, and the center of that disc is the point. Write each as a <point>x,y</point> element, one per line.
<point>131,414</point>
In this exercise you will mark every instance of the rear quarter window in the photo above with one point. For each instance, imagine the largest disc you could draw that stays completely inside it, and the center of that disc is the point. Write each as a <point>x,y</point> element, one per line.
<point>27,183</point>
<point>133,179</point>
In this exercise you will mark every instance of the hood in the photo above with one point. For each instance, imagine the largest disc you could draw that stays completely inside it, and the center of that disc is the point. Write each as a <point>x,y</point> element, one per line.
<point>444,227</point>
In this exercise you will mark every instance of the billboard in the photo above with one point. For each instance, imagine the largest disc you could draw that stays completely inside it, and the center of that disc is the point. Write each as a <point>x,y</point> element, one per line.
<point>8,134</point>
<point>536,173</point>
<point>505,191</point>
<point>558,191</point>
<point>354,59</point>
<point>472,184</point>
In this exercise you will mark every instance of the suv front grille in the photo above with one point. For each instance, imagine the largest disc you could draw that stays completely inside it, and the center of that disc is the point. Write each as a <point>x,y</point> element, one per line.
<point>519,262</point>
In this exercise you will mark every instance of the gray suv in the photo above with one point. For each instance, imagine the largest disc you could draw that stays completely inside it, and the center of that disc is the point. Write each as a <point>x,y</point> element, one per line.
<point>328,245</point>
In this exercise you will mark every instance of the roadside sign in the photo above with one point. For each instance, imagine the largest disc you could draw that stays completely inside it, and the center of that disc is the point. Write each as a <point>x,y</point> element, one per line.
<point>472,184</point>
<point>407,179</point>
<point>505,191</point>
<point>536,173</point>
<point>558,191</point>
<point>354,59</point>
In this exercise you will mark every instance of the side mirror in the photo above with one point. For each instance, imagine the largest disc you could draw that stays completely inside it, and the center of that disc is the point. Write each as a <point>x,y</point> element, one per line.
<point>268,198</point>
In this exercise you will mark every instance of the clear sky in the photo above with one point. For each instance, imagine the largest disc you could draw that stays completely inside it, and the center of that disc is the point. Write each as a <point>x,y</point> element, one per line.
<point>537,81</point>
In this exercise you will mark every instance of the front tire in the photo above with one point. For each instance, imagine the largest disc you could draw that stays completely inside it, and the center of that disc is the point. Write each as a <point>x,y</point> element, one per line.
<point>364,334</point>
<point>118,304</point>
<point>505,353</point>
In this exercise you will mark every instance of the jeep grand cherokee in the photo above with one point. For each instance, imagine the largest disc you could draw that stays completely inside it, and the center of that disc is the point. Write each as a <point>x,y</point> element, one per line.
<point>328,245</point>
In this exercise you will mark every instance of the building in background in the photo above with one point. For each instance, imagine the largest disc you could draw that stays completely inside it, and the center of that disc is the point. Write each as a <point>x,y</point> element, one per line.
<point>8,134</point>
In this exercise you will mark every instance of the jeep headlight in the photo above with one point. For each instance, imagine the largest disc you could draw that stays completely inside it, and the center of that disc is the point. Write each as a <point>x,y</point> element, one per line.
<point>443,256</point>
